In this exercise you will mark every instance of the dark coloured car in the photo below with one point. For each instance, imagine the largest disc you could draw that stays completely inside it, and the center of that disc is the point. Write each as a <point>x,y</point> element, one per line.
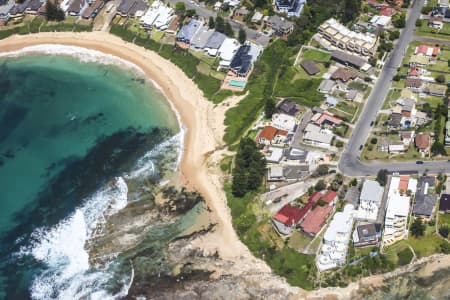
<point>360,147</point>
<point>371,123</point>
<point>419,162</point>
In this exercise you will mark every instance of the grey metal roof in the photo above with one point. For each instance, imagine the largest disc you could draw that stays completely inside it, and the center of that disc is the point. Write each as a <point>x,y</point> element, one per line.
<point>5,8</point>
<point>348,58</point>
<point>352,195</point>
<point>295,172</point>
<point>424,202</point>
<point>188,31</point>
<point>130,7</point>
<point>215,40</point>
<point>295,153</point>
<point>201,38</point>
<point>326,85</point>
<point>372,191</point>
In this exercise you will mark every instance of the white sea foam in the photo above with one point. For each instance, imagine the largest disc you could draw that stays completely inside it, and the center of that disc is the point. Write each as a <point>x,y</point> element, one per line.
<point>61,250</point>
<point>88,55</point>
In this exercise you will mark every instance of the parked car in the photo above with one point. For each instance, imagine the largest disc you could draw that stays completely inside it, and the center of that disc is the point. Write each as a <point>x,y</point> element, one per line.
<point>360,147</point>
<point>419,162</point>
<point>371,123</point>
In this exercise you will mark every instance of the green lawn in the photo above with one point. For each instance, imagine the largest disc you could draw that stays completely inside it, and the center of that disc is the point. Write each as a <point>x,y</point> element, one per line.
<point>359,86</point>
<point>374,154</point>
<point>410,51</point>
<point>434,101</point>
<point>157,35</point>
<point>392,96</point>
<point>316,55</point>
<point>440,66</point>
<point>444,219</point>
<point>298,240</point>
<point>203,68</point>
<point>428,31</point>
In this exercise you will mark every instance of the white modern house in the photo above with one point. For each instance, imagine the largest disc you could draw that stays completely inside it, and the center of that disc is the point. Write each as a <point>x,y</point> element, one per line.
<point>397,211</point>
<point>158,16</point>
<point>369,201</point>
<point>227,51</point>
<point>333,252</point>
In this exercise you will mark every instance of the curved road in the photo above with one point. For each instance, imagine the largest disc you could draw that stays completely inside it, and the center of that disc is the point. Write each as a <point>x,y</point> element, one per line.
<point>349,163</point>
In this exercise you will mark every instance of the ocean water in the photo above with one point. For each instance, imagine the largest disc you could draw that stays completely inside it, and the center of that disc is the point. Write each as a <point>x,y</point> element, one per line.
<point>74,131</point>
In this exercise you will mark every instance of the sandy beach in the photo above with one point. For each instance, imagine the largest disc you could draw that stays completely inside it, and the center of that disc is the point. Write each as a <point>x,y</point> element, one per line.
<point>203,121</point>
<point>203,148</point>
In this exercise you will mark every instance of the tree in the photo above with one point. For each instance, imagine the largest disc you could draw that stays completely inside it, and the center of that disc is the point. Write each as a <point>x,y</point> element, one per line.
<point>242,37</point>
<point>417,227</point>
<point>440,78</point>
<point>351,10</point>
<point>418,23</point>
<point>399,21</point>
<point>220,25</point>
<point>322,170</point>
<point>190,13</point>
<point>448,63</point>
<point>320,185</point>
<point>438,148</point>
<point>444,231</point>
<point>269,108</point>
<point>228,30</point>
<point>53,12</point>
<point>374,141</point>
<point>382,177</point>
<point>397,77</point>
<point>426,10</point>
<point>354,182</point>
<point>211,23</point>
<point>393,35</point>
<point>180,8</point>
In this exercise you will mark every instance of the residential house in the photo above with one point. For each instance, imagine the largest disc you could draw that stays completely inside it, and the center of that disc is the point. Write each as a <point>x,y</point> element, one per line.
<point>295,155</point>
<point>214,43</point>
<point>436,90</point>
<point>395,120</point>
<point>227,51</point>
<point>341,37</point>
<point>414,84</point>
<point>380,22</point>
<point>286,219</point>
<point>92,10</point>
<point>406,137</point>
<point>350,60</point>
<point>275,173</point>
<point>344,74</point>
<point>292,8</point>
<point>5,7</point>
<point>407,107</point>
<point>316,136</point>
<point>285,122</point>
<point>313,222</point>
<point>158,15</point>
<point>414,72</point>
<point>271,136</point>
<point>132,8</point>
<point>241,64</point>
<point>397,211</point>
<point>241,13</point>
<point>333,252</point>
<point>425,50</point>
<point>310,67</point>
<point>444,204</point>
<point>288,107</point>
<point>425,199</point>
<point>419,60</point>
<point>436,22</point>
<point>331,101</point>
<point>422,142</point>
<point>326,119</point>
<point>352,195</point>
<point>187,33</point>
<point>280,26</point>
<point>295,173</point>
<point>257,17</point>
<point>75,7</point>
<point>369,201</point>
<point>326,86</point>
<point>273,155</point>
<point>387,11</point>
<point>365,235</point>
<point>351,95</point>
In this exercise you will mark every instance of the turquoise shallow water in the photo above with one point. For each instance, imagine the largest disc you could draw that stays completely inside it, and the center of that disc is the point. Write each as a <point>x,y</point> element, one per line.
<point>66,127</point>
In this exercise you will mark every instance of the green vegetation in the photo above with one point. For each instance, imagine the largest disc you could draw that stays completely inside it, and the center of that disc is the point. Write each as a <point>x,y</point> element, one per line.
<point>316,55</point>
<point>382,177</point>
<point>404,256</point>
<point>249,170</point>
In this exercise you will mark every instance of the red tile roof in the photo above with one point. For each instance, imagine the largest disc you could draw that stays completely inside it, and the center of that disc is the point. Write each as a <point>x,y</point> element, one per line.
<point>427,50</point>
<point>422,141</point>
<point>387,11</point>
<point>327,117</point>
<point>403,184</point>
<point>329,196</point>
<point>314,220</point>
<point>288,215</point>
<point>413,71</point>
<point>315,197</point>
<point>269,132</point>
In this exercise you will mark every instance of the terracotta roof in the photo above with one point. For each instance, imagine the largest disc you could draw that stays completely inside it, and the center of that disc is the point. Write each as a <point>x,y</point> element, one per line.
<point>403,183</point>
<point>329,196</point>
<point>413,71</point>
<point>422,141</point>
<point>406,134</point>
<point>387,11</point>
<point>314,220</point>
<point>326,117</point>
<point>269,132</point>
<point>427,50</point>
<point>315,197</point>
<point>344,74</point>
<point>413,82</point>
<point>288,215</point>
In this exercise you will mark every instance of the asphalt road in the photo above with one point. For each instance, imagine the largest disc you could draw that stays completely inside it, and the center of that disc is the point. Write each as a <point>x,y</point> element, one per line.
<point>204,12</point>
<point>350,163</point>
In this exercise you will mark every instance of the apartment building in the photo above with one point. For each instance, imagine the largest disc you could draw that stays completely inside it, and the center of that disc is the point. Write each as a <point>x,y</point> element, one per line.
<point>341,37</point>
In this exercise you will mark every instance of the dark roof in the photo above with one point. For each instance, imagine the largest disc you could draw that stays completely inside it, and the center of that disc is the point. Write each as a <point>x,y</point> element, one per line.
<point>424,202</point>
<point>130,7</point>
<point>280,24</point>
<point>352,195</point>
<point>295,153</point>
<point>310,67</point>
<point>344,74</point>
<point>288,107</point>
<point>295,172</point>
<point>215,40</point>
<point>19,8</point>
<point>395,119</point>
<point>367,230</point>
<point>34,5</point>
<point>88,12</point>
<point>242,60</point>
<point>346,58</point>
<point>444,204</point>
<point>76,6</point>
